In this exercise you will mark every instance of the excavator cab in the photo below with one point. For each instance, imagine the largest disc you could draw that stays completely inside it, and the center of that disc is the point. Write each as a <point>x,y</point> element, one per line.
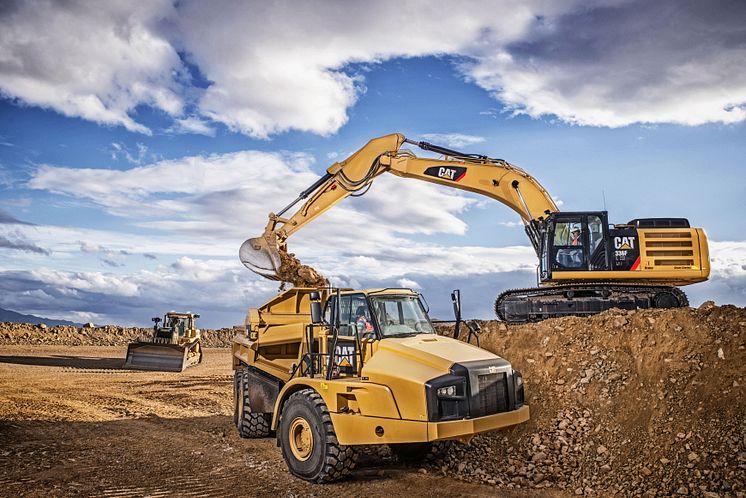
<point>575,241</point>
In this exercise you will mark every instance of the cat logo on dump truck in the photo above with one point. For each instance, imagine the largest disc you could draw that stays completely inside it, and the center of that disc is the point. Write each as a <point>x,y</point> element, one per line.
<point>452,173</point>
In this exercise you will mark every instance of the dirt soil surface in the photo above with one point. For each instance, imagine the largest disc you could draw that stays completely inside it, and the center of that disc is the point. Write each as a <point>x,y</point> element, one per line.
<point>627,403</point>
<point>74,423</point>
<point>643,403</point>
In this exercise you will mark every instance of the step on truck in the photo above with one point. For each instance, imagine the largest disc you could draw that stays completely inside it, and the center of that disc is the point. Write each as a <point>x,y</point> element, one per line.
<point>328,370</point>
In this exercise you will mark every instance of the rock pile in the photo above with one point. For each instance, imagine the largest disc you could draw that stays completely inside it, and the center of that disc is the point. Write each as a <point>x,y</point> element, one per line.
<point>628,403</point>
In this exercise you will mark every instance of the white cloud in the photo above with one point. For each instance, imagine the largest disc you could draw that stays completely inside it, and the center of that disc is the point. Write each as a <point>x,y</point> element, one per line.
<point>452,139</point>
<point>95,63</point>
<point>225,196</point>
<point>172,188</point>
<point>120,150</point>
<point>411,284</point>
<point>279,66</point>
<point>221,290</point>
<point>192,125</point>
<point>618,64</point>
<point>87,281</point>
<point>728,259</point>
<point>276,66</point>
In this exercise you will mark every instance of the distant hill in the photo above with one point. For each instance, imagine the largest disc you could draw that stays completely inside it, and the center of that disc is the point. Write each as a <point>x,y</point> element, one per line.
<point>12,316</point>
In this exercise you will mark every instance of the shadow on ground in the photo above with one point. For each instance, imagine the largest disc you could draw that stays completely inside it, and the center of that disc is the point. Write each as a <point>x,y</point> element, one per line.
<point>86,362</point>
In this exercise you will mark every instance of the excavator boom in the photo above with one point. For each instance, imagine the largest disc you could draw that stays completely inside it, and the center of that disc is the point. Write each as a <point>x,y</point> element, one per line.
<point>267,254</point>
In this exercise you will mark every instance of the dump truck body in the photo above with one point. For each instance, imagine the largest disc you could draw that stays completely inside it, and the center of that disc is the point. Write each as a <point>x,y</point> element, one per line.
<point>372,363</point>
<point>171,348</point>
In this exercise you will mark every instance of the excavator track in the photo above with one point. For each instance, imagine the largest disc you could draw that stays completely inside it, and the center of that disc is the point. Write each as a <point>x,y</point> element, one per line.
<point>539,303</point>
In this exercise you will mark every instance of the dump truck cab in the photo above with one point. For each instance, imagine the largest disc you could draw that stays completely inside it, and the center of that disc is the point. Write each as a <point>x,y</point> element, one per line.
<point>360,368</point>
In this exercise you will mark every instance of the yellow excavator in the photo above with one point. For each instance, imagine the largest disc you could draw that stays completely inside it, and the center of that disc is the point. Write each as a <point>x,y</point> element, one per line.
<point>586,265</point>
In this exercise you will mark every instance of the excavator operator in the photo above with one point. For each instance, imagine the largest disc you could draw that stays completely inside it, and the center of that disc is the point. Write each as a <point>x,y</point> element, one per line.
<point>575,234</point>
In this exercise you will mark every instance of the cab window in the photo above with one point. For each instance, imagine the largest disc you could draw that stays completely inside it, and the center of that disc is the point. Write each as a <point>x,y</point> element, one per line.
<point>568,245</point>
<point>595,232</point>
<point>350,305</point>
<point>401,315</point>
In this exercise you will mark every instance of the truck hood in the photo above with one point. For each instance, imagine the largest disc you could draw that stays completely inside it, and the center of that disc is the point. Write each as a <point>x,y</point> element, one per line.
<point>435,351</point>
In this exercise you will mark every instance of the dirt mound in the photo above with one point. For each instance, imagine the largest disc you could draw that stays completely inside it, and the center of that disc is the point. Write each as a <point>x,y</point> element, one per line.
<point>627,403</point>
<point>106,335</point>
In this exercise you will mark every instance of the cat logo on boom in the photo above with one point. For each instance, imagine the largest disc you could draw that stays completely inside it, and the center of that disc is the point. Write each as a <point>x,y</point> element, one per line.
<point>452,173</point>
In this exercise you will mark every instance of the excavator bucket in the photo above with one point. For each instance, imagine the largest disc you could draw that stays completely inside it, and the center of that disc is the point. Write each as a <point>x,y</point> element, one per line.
<point>162,357</point>
<point>261,256</point>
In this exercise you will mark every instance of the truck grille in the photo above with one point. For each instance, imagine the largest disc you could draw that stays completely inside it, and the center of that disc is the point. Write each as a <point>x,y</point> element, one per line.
<point>492,396</point>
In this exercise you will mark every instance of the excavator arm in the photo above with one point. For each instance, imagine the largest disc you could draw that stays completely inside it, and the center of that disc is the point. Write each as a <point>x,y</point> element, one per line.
<point>495,178</point>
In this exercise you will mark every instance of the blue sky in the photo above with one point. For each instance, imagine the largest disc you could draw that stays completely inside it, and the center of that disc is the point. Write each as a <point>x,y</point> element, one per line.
<point>140,145</point>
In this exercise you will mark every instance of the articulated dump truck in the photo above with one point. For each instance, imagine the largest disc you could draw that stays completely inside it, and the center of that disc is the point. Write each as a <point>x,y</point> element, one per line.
<point>329,370</point>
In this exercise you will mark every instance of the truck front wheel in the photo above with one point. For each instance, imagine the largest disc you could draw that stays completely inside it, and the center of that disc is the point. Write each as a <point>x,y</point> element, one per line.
<point>308,441</point>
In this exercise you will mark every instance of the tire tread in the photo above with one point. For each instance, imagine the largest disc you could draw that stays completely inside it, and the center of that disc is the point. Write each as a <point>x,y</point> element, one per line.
<point>340,460</point>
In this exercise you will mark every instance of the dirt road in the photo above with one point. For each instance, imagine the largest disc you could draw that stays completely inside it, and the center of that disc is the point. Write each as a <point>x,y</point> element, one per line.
<point>72,422</point>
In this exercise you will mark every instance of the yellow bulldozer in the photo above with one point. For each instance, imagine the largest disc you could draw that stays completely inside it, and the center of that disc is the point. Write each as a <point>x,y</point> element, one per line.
<point>172,347</point>
<point>329,370</point>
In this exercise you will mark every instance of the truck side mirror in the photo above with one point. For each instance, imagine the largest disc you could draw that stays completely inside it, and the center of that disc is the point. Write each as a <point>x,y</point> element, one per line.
<point>316,312</point>
<point>156,319</point>
<point>456,299</point>
<point>196,315</point>
<point>315,308</point>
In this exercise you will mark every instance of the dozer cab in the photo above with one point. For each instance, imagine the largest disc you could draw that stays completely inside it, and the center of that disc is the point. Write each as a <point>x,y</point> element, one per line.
<point>173,346</point>
<point>330,370</point>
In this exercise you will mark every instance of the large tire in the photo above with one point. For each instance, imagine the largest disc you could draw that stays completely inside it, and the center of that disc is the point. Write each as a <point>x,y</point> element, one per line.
<point>308,441</point>
<point>248,423</point>
<point>420,452</point>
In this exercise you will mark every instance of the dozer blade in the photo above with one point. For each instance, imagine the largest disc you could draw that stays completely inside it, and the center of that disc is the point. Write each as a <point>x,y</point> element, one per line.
<point>261,256</point>
<point>152,356</point>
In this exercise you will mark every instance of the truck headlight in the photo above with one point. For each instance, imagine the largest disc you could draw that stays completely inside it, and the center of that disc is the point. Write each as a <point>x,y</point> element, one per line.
<point>446,398</point>
<point>447,391</point>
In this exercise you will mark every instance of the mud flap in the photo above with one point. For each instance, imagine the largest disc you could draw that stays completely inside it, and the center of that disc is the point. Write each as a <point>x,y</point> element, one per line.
<point>262,390</point>
<point>162,357</point>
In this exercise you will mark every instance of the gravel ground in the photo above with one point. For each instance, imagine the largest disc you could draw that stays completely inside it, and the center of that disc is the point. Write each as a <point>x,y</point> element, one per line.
<point>642,403</point>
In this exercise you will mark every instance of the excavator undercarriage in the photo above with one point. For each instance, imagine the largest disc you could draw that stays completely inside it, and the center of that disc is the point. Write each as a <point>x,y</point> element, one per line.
<point>539,303</point>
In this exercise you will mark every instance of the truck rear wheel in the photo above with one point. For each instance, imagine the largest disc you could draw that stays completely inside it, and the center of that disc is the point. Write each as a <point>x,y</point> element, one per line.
<point>248,423</point>
<point>308,441</point>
